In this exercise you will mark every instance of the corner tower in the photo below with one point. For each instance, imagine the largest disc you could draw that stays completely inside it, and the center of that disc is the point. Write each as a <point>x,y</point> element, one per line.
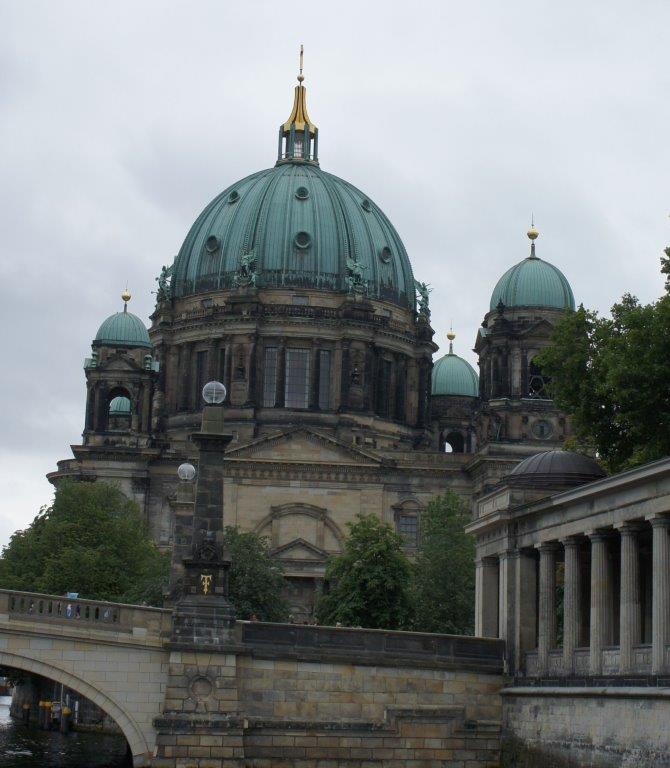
<point>516,417</point>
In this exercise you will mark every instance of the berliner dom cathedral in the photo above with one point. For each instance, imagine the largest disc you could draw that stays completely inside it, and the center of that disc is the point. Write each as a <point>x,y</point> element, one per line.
<point>294,290</point>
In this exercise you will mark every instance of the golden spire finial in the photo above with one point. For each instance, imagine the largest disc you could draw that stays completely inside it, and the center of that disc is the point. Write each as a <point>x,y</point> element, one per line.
<point>126,296</point>
<point>451,336</point>
<point>301,77</point>
<point>532,232</point>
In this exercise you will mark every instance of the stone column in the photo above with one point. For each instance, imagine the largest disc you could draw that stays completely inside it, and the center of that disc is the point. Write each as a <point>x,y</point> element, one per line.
<point>630,610</point>
<point>547,605</point>
<point>525,608</point>
<point>506,595</point>
<point>572,595</point>
<point>660,609</point>
<point>600,588</point>
<point>486,597</point>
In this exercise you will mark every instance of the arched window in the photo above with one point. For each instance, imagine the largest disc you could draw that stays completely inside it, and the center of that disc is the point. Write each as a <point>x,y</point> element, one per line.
<point>456,441</point>
<point>537,383</point>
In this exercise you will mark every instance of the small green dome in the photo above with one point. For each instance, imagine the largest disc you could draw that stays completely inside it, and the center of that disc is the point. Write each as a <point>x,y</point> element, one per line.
<point>533,283</point>
<point>123,329</point>
<point>454,376</point>
<point>120,406</point>
<point>303,225</point>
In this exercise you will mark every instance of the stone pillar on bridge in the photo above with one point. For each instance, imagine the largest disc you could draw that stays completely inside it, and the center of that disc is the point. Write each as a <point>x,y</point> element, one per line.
<point>203,614</point>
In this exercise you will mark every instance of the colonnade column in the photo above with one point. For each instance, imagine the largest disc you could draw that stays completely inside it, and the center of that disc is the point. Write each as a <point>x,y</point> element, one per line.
<point>506,615</point>
<point>547,605</point>
<point>525,607</point>
<point>572,598</point>
<point>599,601</point>
<point>660,610</point>
<point>630,612</point>
<point>486,597</point>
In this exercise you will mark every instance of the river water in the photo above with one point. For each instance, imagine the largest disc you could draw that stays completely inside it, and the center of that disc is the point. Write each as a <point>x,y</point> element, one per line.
<point>28,747</point>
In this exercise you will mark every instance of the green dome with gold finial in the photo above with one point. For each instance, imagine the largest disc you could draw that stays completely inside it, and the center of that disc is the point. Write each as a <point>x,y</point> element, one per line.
<point>533,283</point>
<point>452,375</point>
<point>123,329</point>
<point>295,226</point>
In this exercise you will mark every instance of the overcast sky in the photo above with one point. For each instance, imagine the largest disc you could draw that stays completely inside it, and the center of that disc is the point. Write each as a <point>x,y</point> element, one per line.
<point>120,121</point>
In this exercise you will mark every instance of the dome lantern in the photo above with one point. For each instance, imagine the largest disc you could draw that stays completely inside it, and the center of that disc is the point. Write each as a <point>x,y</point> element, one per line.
<point>298,136</point>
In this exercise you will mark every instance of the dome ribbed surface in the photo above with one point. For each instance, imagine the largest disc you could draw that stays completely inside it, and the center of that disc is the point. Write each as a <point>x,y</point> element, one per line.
<point>302,224</point>
<point>454,376</point>
<point>123,329</point>
<point>556,468</point>
<point>120,406</point>
<point>533,283</point>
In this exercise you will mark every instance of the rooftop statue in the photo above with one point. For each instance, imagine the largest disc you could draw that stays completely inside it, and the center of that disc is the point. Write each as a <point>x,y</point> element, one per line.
<point>423,289</point>
<point>354,278</point>
<point>246,272</point>
<point>164,280</point>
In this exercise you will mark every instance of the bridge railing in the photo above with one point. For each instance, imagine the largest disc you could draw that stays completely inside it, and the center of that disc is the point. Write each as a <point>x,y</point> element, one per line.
<point>55,609</point>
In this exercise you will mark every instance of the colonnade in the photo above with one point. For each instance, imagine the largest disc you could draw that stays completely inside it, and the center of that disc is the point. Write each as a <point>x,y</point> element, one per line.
<point>597,603</point>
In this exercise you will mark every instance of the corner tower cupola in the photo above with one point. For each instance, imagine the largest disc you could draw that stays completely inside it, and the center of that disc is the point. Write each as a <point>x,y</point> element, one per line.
<point>298,136</point>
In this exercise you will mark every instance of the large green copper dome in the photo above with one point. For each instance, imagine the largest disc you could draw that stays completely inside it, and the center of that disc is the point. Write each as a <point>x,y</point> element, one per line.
<point>303,226</point>
<point>533,283</point>
<point>452,375</point>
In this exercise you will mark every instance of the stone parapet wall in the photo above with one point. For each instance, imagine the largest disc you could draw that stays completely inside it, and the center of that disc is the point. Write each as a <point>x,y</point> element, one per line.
<point>604,727</point>
<point>308,697</point>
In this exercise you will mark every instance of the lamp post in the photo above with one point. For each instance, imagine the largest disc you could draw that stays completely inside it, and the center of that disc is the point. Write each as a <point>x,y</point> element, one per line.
<point>203,613</point>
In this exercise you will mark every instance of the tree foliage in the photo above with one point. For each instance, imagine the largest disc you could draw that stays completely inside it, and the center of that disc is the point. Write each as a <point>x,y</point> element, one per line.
<point>368,585</point>
<point>612,375</point>
<point>255,581</point>
<point>444,571</point>
<point>92,540</point>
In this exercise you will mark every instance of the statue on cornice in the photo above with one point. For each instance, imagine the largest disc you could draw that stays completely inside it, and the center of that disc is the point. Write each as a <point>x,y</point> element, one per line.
<point>245,276</point>
<point>164,280</point>
<point>355,279</point>
<point>423,289</point>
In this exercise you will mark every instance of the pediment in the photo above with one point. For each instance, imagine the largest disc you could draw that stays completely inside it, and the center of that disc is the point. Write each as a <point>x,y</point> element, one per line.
<point>539,328</point>
<point>299,549</point>
<point>303,445</point>
<point>118,363</point>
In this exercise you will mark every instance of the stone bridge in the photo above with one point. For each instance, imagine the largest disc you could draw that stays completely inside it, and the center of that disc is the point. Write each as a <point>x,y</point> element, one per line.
<point>275,695</point>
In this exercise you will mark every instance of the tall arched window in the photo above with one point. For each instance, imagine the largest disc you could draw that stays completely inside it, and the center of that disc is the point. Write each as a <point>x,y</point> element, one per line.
<point>537,383</point>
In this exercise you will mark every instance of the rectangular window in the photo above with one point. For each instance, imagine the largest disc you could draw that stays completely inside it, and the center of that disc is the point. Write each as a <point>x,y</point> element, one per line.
<point>408,528</point>
<point>270,378</point>
<point>324,379</point>
<point>384,388</point>
<point>297,147</point>
<point>296,389</point>
<point>200,375</point>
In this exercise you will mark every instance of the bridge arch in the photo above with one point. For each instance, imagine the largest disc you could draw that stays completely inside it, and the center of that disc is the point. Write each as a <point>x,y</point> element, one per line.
<point>139,747</point>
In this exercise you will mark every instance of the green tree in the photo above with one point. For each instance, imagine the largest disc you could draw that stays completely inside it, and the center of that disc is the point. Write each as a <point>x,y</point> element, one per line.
<point>368,584</point>
<point>92,540</point>
<point>256,582</point>
<point>612,375</point>
<point>444,571</point>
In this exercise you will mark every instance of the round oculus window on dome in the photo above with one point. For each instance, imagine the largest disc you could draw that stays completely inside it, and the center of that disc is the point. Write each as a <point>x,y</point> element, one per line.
<point>234,196</point>
<point>385,254</point>
<point>365,204</point>
<point>302,240</point>
<point>302,193</point>
<point>212,244</point>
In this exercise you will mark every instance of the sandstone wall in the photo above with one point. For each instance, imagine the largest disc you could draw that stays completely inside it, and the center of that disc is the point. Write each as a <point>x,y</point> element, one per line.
<point>598,728</point>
